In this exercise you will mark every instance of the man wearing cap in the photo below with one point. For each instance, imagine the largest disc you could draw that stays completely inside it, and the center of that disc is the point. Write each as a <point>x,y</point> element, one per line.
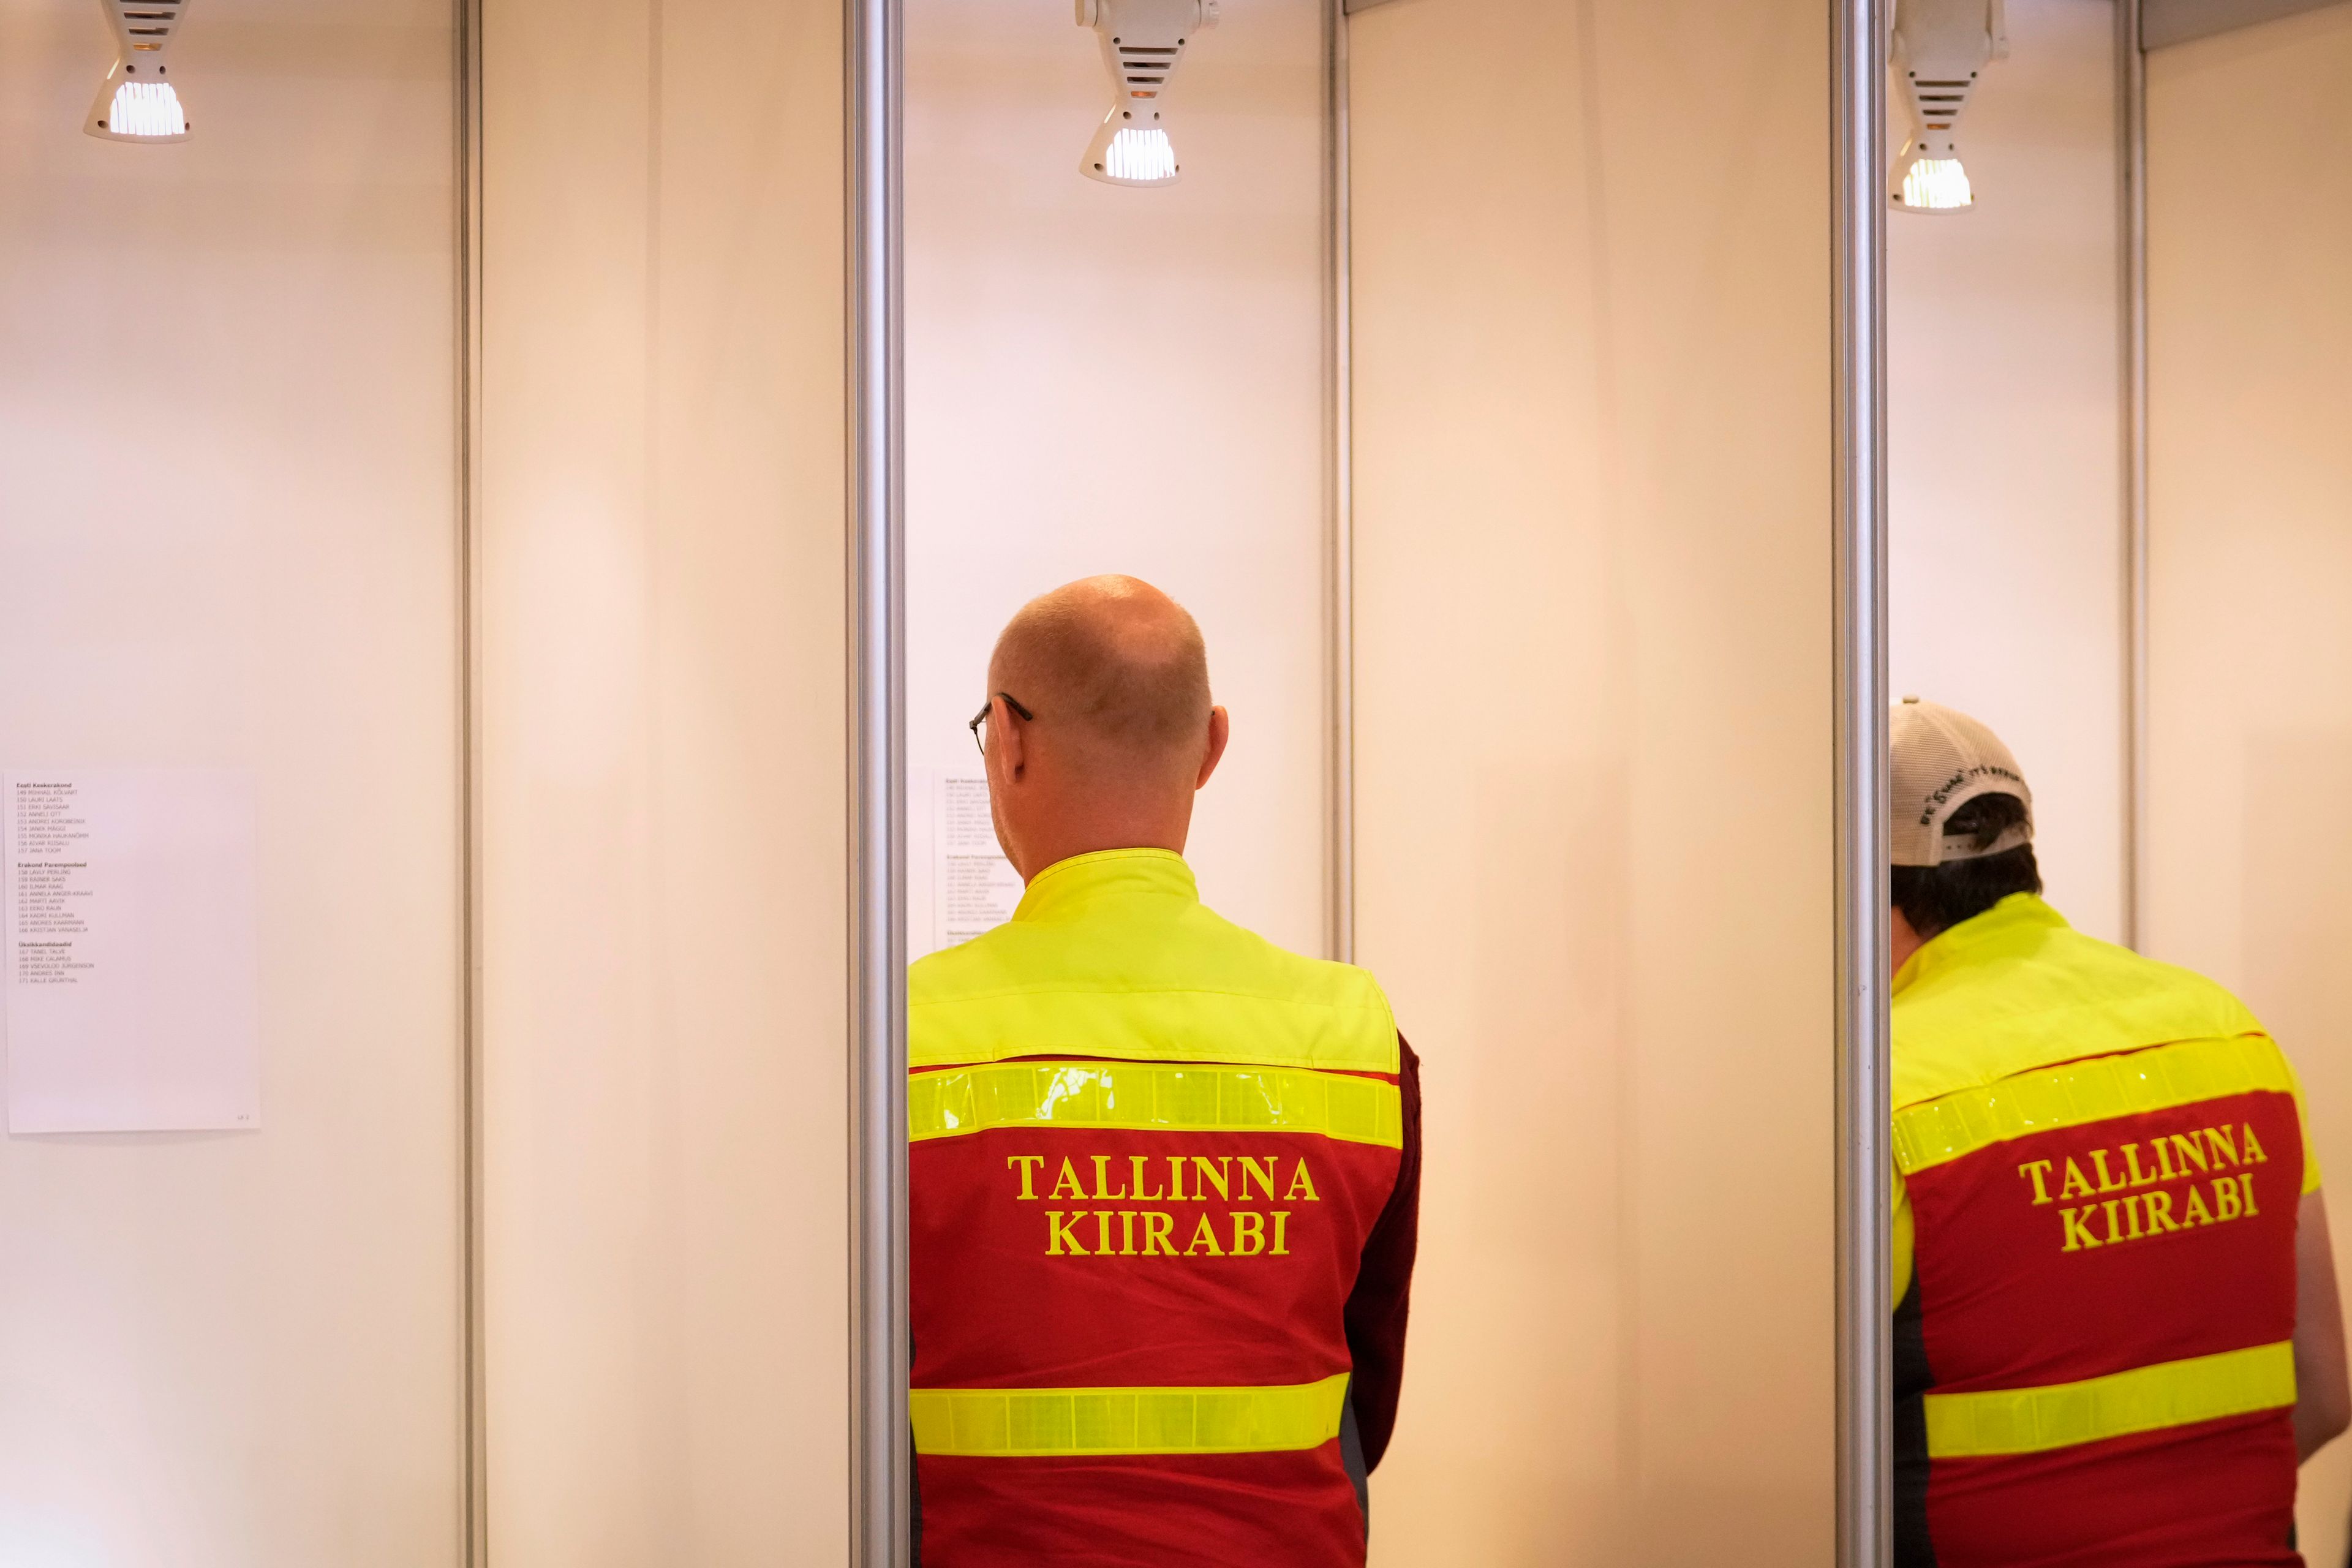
<point>1165,1175</point>
<point>2117,1332</point>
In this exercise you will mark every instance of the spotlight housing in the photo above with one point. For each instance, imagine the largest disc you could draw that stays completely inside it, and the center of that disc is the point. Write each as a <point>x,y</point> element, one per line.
<point>1940,47</point>
<point>137,101</point>
<point>1143,42</point>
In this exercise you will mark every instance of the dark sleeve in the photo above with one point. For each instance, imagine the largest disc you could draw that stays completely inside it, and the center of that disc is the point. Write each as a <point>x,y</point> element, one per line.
<point>1384,1292</point>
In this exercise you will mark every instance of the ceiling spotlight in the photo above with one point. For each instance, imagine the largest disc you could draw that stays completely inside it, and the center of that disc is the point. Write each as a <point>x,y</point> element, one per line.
<point>1141,42</point>
<point>137,102</point>
<point>1940,45</point>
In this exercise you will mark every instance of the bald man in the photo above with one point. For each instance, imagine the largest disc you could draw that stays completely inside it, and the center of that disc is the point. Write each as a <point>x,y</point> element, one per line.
<point>1166,1175</point>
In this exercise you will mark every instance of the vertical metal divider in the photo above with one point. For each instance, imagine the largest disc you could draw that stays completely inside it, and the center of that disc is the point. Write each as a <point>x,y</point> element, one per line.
<point>2131,132</point>
<point>1863,1329</point>
<point>880,1453</point>
<point>467,107</point>
<point>1338,327</point>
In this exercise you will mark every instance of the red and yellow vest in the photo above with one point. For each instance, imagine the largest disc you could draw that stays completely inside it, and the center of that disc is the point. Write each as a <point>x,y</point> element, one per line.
<point>1147,1147</point>
<point>2099,1161</point>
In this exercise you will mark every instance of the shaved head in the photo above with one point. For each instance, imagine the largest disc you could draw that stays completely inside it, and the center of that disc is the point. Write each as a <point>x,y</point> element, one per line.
<point>1117,668</point>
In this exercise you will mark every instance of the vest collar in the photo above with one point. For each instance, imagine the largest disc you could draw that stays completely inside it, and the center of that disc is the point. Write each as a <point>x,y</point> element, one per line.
<point>2017,922</point>
<point>1068,887</point>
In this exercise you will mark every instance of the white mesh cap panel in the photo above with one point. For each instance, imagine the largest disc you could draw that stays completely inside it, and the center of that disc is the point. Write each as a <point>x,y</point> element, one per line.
<point>1939,758</point>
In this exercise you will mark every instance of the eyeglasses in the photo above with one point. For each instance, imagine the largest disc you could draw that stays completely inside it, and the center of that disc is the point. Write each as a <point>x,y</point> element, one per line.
<point>979,725</point>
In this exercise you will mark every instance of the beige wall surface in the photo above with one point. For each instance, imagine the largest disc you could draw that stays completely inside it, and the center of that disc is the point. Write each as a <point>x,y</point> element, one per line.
<point>2005,536</point>
<point>662,755</point>
<point>1110,380</point>
<point>2250,266</point>
<point>228,537</point>
<point>1593,535</point>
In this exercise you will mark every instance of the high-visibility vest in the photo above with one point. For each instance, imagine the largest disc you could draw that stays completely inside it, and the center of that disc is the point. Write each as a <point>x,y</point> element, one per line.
<point>2100,1159</point>
<point>1146,1150</point>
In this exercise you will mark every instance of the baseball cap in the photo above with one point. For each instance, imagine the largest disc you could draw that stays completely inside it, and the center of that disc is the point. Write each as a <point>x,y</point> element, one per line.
<point>1939,760</point>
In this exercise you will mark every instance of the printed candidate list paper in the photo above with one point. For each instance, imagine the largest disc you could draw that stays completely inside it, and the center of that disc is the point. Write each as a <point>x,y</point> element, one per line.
<point>131,989</point>
<point>974,888</point>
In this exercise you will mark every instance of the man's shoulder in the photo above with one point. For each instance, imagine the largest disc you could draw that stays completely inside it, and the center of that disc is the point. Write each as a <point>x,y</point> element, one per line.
<point>2068,997</point>
<point>1199,950</point>
<point>1055,983</point>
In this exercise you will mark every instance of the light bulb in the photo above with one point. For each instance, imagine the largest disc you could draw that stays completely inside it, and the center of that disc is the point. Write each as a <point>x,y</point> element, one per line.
<point>146,109</point>
<point>1136,156</point>
<point>1934,185</point>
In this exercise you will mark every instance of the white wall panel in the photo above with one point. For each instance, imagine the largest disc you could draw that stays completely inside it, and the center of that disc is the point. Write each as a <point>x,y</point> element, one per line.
<point>228,537</point>
<point>1111,380</point>
<point>1594,536</point>
<point>2005,564</point>
<point>2249,261</point>
<point>662,738</point>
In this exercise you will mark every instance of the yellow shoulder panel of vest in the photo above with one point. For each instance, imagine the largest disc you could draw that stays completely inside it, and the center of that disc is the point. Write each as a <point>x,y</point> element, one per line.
<point>2038,994</point>
<point>1170,984</point>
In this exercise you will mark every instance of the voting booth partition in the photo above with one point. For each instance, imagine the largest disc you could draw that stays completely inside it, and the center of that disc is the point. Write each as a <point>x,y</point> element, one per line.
<point>442,444</point>
<point>449,437</point>
<point>1592,672</point>
<point>230,551</point>
<point>2248,845</point>
<point>2012,553</point>
<point>1593,765</point>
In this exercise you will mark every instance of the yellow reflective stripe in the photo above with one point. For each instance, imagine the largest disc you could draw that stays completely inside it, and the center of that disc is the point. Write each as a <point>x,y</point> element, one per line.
<point>2146,1399</point>
<point>1148,1097</point>
<point>1936,1131</point>
<point>1014,1423</point>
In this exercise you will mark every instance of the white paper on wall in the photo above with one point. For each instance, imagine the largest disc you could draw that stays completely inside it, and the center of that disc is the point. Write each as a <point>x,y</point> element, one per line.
<point>973,886</point>
<point>133,990</point>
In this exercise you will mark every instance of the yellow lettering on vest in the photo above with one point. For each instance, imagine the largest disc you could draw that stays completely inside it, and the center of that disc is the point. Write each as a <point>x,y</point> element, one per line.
<point>2251,1145</point>
<point>2160,1212</point>
<point>2225,1148</point>
<point>1176,1178</point>
<point>2106,1183</point>
<point>1281,1227</point>
<point>2131,1218</point>
<point>1126,1233</point>
<point>2037,1169</point>
<point>2191,1153</point>
<point>2078,1235</point>
<point>1302,1185</point>
<point>1205,1233</point>
<point>2109,1209</point>
<point>2139,1178</point>
<point>1028,1164</point>
<point>2247,1182</point>
<point>2076,1185</point>
<point>2227,1204</point>
<point>1102,1175</point>
<point>1140,1196</point>
<point>2195,1212</point>
<point>1249,1233</point>
<point>1159,1229</point>
<point>1069,1179</point>
<point>1261,1169</point>
<point>2164,1173</point>
<point>1218,1176</point>
<point>1058,1234</point>
<point>1102,1233</point>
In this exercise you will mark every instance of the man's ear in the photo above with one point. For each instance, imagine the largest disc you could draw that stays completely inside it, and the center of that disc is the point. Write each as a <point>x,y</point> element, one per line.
<point>1220,731</point>
<point>1008,742</point>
